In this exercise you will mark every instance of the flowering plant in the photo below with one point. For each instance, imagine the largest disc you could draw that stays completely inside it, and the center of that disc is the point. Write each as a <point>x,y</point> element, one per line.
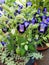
<point>22,26</point>
<point>16,28</point>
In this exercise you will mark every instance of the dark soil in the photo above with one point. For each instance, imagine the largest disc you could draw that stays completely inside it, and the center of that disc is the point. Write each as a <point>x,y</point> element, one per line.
<point>45,59</point>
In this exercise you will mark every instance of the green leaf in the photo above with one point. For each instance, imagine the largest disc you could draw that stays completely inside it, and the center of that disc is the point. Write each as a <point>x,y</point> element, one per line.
<point>21,2</point>
<point>47,35</point>
<point>10,47</point>
<point>26,47</point>
<point>20,51</point>
<point>1,37</point>
<point>7,1</point>
<point>44,38</point>
<point>31,47</point>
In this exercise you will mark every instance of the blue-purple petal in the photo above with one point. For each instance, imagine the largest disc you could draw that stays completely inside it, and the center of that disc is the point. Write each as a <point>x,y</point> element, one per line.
<point>21,28</point>
<point>18,11</point>
<point>48,18</point>
<point>28,4</point>
<point>38,12</point>
<point>1,8</point>
<point>44,17</point>
<point>34,20</point>
<point>20,6</point>
<point>42,27</point>
<point>2,1</point>
<point>26,23</point>
<point>3,43</point>
<point>44,10</point>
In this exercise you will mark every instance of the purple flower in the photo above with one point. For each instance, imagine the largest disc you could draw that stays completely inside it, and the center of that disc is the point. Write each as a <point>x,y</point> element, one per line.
<point>42,27</point>
<point>28,4</point>
<point>34,20</point>
<point>18,11</point>
<point>20,6</point>
<point>2,1</point>
<point>26,23</point>
<point>46,19</point>
<point>46,22</point>
<point>3,43</point>
<point>44,10</point>
<point>38,12</point>
<point>21,28</point>
<point>1,8</point>
<point>43,18</point>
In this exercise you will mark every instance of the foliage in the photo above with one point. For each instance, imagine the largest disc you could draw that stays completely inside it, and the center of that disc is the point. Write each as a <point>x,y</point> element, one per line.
<point>9,33</point>
<point>19,37</point>
<point>8,59</point>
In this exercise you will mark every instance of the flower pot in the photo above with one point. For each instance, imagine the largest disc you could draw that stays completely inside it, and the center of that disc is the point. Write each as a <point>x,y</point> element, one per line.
<point>42,48</point>
<point>35,63</point>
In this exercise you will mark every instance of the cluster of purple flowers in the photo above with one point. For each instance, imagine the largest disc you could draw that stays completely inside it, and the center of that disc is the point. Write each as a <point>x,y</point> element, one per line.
<point>20,7</point>
<point>42,25</point>
<point>23,26</point>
